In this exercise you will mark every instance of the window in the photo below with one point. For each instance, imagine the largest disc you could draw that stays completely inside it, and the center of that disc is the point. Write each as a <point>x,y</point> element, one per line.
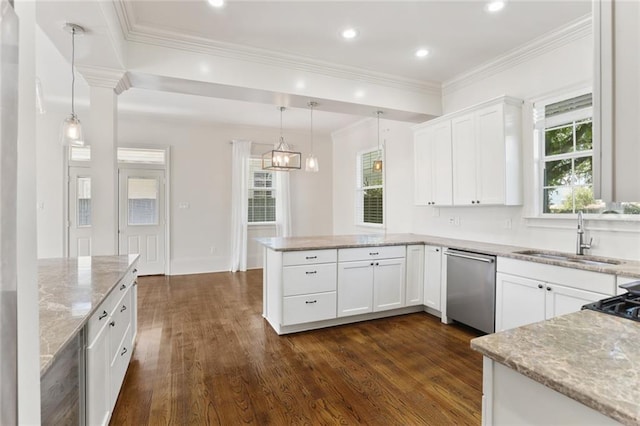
<point>370,190</point>
<point>565,135</point>
<point>84,202</point>
<point>142,196</point>
<point>125,155</point>
<point>262,198</point>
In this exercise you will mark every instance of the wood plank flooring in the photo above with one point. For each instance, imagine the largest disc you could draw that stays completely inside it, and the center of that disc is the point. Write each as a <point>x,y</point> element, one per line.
<point>205,356</point>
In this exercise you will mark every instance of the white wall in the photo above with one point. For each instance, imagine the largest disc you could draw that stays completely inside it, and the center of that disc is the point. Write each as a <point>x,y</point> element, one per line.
<point>566,67</point>
<point>397,138</point>
<point>200,175</point>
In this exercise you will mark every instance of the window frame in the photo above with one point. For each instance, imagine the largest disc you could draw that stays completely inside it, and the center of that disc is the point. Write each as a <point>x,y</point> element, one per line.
<point>252,187</point>
<point>360,189</point>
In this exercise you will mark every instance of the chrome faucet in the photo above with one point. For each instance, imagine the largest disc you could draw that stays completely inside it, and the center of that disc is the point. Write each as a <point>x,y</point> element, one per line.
<point>580,245</point>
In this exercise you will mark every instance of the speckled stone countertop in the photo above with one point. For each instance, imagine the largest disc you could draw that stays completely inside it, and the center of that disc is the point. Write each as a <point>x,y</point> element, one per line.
<point>627,268</point>
<point>589,356</point>
<point>70,291</point>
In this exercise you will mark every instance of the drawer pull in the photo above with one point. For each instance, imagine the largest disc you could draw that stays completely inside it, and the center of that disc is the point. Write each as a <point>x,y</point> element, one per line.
<point>377,263</point>
<point>311,257</point>
<point>374,254</point>
<point>124,308</point>
<point>371,263</point>
<point>103,315</point>
<point>135,271</point>
<point>308,302</point>
<point>123,286</point>
<point>124,351</point>
<point>311,272</point>
<point>112,323</point>
<point>539,285</point>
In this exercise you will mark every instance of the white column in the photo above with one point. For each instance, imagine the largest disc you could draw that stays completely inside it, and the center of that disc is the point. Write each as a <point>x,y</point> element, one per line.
<point>105,85</point>
<point>26,250</point>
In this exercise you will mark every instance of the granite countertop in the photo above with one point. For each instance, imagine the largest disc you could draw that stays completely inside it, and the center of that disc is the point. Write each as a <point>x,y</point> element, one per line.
<point>589,356</point>
<point>628,268</point>
<point>70,291</point>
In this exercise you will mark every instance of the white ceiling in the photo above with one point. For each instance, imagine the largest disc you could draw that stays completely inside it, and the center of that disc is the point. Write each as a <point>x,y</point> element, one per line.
<point>459,34</point>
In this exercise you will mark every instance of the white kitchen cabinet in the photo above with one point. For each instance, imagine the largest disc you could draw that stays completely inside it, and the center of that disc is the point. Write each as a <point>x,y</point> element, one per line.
<point>432,164</point>
<point>486,145</point>
<point>110,337</point>
<point>616,103</point>
<point>371,279</point>
<point>415,275</point>
<point>432,276</point>
<point>528,292</point>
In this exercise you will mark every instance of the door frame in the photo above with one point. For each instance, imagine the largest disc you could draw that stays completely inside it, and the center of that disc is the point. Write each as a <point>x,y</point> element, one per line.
<point>167,191</point>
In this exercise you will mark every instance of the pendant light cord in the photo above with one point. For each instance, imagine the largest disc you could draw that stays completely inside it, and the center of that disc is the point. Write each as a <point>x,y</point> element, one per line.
<point>311,128</point>
<point>73,74</point>
<point>378,132</point>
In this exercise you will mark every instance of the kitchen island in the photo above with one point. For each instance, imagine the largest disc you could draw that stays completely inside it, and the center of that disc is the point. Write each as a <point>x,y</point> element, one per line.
<point>580,368</point>
<point>75,293</point>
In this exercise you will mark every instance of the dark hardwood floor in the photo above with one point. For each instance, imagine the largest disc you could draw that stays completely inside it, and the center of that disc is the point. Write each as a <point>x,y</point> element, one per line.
<point>205,355</point>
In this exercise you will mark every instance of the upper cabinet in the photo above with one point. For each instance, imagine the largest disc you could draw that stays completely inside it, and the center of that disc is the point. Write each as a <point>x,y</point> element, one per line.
<point>472,157</point>
<point>616,100</point>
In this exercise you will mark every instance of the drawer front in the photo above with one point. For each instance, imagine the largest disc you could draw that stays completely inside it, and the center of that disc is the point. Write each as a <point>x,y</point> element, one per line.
<point>101,316</point>
<point>119,366</point>
<point>309,308</point>
<point>367,253</point>
<point>307,257</point>
<point>120,321</point>
<point>309,279</point>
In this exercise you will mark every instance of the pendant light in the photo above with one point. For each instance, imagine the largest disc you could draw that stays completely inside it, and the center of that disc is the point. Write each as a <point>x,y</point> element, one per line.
<point>281,158</point>
<point>311,164</point>
<point>377,164</point>
<point>71,128</point>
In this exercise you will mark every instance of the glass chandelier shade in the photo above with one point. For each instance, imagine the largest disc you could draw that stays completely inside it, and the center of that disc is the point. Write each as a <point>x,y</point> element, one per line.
<point>377,164</point>
<point>71,128</point>
<point>311,164</point>
<point>281,158</point>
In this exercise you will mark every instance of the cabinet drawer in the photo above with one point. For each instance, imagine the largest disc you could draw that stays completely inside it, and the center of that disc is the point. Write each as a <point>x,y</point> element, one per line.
<point>119,365</point>
<point>308,257</point>
<point>101,316</point>
<point>120,321</point>
<point>307,279</point>
<point>308,308</point>
<point>367,253</point>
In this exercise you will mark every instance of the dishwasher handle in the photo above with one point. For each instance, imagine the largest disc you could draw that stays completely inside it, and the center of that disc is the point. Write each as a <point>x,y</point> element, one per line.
<point>468,256</point>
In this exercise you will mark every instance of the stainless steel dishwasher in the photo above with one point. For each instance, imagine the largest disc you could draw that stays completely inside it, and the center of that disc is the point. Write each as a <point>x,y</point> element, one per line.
<point>471,289</point>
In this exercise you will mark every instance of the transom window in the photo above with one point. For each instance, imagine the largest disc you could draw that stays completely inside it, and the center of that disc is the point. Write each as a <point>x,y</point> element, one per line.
<point>369,190</point>
<point>262,196</point>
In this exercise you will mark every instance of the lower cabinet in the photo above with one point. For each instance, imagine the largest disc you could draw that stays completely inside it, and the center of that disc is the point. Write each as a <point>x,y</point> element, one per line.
<point>414,294</point>
<point>371,285</point>
<point>522,300</point>
<point>110,338</point>
<point>432,277</point>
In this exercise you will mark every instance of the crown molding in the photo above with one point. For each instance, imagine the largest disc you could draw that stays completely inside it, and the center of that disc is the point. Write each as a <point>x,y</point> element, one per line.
<point>139,33</point>
<point>552,40</point>
<point>110,78</point>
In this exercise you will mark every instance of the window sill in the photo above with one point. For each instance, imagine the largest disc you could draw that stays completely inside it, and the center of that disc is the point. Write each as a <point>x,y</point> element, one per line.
<point>370,225</point>
<point>261,224</point>
<point>594,222</point>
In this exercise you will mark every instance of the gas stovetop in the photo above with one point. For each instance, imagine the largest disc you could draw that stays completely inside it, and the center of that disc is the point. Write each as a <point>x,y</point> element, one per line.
<point>625,305</point>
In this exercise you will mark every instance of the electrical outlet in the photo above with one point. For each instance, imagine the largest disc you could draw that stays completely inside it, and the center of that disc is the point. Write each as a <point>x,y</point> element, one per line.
<point>212,250</point>
<point>457,221</point>
<point>508,224</point>
<point>183,205</point>
<point>452,221</point>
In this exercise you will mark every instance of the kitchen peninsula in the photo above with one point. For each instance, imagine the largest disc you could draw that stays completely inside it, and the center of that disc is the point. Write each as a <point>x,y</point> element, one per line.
<point>87,329</point>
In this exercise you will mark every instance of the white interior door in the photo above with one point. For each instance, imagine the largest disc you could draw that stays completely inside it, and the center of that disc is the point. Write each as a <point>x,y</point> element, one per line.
<point>142,221</point>
<point>79,211</point>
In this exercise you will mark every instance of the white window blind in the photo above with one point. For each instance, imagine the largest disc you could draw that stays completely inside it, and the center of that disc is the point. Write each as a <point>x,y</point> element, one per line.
<point>369,190</point>
<point>262,195</point>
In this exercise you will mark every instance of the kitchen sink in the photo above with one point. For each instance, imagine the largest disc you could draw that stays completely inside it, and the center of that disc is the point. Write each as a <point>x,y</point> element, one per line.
<point>585,260</point>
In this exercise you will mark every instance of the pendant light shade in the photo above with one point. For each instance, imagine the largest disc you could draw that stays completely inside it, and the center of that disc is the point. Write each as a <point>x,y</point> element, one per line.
<point>377,164</point>
<point>282,158</point>
<point>311,164</point>
<point>71,128</point>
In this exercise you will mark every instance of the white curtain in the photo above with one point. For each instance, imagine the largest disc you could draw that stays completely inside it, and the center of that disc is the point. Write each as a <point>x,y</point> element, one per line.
<point>283,204</point>
<point>239,204</point>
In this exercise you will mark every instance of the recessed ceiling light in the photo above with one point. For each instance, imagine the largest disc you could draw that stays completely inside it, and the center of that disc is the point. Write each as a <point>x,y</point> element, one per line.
<point>421,53</point>
<point>216,3</point>
<point>495,6</point>
<point>300,84</point>
<point>349,33</point>
<point>359,94</point>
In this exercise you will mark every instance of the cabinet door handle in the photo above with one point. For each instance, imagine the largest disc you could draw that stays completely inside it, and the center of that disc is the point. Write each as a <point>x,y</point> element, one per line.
<point>548,288</point>
<point>373,254</point>
<point>123,286</point>
<point>473,201</point>
<point>124,308</point>
<point>308,302</point>
<point>135,271</point>
<point>477,201</point>
<point>311,257</point>
<point>371,263</point>
<point>112,323</point>
<point>540,286</point>
<point>437,250</point>
<point>124,351</point>
<point>377,264</point>
<point>103,315</point>
<point>311,272</point>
